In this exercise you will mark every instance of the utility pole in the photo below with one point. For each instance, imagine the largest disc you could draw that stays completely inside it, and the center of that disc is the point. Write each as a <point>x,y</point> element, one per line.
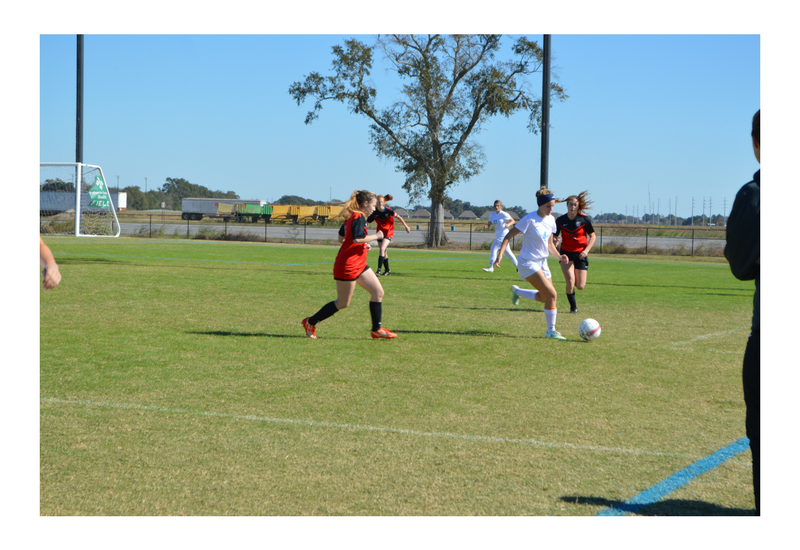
<point>145,184</point>
<point>545,113</point>
<point>79,106</point>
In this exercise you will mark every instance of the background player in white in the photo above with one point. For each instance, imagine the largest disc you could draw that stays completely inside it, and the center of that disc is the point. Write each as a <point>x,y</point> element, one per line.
<point>502,221</point>
<point>537,230</point>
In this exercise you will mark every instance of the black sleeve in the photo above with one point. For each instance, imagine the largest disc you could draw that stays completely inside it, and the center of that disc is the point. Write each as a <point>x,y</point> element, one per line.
<point>588,228</point>
<point>558,227</point>
<point>371,218</point>
<point>341,231</point>
<point>743,233</point>
<point>359,228</point>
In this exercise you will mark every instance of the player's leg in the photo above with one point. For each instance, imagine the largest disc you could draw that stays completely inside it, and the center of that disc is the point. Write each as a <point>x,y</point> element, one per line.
<point>370,282</point>
<point>542,282</point>
<point>510,254</point>
<point>344,292</point>
<point>498,242</point>
<point>569,275</point>
<point>384,246</point>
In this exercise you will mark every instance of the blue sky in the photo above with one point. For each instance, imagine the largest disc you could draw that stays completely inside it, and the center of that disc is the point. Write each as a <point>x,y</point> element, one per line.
<point>667,115</point>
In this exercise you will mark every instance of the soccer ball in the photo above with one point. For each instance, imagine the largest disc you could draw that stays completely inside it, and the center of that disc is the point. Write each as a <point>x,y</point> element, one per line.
<point>589,329</point>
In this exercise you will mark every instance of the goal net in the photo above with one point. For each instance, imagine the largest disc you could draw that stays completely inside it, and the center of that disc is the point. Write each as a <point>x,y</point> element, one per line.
<point>74,200</point>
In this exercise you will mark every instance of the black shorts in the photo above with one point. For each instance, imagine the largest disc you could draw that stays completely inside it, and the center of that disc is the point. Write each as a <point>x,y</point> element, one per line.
<point>575,259</point>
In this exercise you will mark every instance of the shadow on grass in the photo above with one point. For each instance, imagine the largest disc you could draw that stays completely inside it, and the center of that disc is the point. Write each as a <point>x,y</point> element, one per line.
<point>668,507</point>
<point>234,333</point>
<point>515,309</point>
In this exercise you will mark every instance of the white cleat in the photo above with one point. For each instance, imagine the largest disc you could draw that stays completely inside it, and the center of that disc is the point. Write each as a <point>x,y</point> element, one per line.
<point>488,269</point>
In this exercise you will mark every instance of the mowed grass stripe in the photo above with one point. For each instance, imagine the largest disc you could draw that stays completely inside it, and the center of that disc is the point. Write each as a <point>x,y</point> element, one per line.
<point>352,427</point>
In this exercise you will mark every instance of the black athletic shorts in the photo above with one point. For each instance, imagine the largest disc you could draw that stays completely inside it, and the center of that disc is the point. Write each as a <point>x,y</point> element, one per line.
<point>574,258</point>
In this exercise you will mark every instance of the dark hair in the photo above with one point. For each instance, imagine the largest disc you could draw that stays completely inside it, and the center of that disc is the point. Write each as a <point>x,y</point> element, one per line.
<point>756,132</point>
<point>385,198</point>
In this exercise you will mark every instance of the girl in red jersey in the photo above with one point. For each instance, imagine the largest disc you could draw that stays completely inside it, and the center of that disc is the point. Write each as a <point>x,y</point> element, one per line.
<point>351,266</point>
<point>575,236</point>
<point>384,217</point>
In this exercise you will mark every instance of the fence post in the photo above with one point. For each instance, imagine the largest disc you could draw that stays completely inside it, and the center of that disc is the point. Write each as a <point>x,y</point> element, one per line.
<point>646,235</point>
<point>470,236</point>
<point>187,228</point>
<point>226,226</point>
<point>151,226</point>
<point>692,242</point>
<point>265,229</point>
<point>305,224</point>
<point>601,239</point>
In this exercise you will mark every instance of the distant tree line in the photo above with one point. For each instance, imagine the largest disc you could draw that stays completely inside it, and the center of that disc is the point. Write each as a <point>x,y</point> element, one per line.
<point>457,207</point>
<point>170,193</point>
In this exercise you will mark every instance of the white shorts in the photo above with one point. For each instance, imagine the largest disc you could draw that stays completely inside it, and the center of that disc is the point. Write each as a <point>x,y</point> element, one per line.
<point>527,268</point>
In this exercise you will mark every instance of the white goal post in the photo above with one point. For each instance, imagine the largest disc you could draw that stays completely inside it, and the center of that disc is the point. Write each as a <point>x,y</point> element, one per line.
<point>74,200</point>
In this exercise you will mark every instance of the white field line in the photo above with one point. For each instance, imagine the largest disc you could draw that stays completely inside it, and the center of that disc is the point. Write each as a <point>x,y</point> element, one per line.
<point>703,337</point>
<point>356,427</point>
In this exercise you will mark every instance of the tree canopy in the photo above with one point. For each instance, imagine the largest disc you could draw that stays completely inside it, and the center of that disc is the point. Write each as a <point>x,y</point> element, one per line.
<point>451,85</point>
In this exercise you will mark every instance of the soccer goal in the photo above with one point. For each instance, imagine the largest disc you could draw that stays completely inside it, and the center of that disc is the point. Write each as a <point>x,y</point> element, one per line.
<point>74,200</point>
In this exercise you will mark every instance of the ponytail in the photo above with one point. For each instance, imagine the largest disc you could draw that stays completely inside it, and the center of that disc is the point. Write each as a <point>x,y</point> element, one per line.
<point>355,201</point>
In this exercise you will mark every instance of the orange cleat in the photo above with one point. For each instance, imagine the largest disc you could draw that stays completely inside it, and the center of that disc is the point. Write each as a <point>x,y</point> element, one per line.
<point>311,330</point>
<point>383,333</point>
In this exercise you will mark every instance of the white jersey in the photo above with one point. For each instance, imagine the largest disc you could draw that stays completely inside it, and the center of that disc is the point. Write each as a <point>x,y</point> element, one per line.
<point>499,220</point>
<point>536,232</point>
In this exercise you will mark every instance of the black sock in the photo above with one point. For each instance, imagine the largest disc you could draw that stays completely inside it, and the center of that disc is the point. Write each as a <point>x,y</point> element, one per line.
<point>375,311</point>
<point>381,262</point>
<point>386,264</point>
<point>326,311</point>
<point>571,298</point>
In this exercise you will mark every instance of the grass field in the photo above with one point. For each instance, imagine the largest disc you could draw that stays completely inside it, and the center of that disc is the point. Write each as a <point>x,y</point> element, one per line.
<point>176,380</point>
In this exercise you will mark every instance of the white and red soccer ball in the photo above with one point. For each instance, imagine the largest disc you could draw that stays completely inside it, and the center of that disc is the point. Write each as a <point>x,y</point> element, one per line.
<point>589,329</point>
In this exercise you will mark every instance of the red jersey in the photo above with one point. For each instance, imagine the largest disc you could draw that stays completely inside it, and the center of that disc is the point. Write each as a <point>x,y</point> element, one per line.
<point>574,233</point>
<point>351,261</point>
<point>385,221</point>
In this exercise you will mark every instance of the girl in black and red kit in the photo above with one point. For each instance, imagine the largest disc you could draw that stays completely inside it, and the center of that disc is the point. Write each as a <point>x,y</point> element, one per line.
<point>576,237</point>
<point>384,218</point>
<point>351,266</point>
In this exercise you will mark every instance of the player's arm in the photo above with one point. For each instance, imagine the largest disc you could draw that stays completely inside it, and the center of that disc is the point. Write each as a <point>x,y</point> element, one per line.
<point>589,245</point>
<point>50,271</point>
<point>408,229</point>
<point>360,232</point>
<point>743,234</point>
<point>554,251</point>
<point>510,235</point>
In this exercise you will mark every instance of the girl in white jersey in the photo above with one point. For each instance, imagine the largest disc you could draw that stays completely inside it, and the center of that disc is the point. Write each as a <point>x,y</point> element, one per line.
<point>537,230</point>
<point>501,221</point>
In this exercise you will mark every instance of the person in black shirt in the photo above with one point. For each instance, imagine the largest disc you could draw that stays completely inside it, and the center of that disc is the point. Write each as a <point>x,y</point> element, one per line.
<point>743,251</point>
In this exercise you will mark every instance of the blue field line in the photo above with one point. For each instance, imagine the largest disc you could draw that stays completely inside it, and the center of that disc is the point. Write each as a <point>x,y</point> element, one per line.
<point>677,480</point>
<point>231,261</point>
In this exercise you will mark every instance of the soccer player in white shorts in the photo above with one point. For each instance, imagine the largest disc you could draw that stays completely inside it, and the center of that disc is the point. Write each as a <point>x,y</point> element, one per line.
<point>501,221</point>
<point>537,229</point>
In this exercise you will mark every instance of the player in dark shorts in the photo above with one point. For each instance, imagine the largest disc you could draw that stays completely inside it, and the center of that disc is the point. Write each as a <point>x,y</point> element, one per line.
<point>384,217</point>
<point>351,266</point>
<point>575,236</point>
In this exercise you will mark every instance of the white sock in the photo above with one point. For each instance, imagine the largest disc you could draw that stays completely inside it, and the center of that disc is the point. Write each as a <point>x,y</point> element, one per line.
<point>550,317</point>
<point>529,294</point>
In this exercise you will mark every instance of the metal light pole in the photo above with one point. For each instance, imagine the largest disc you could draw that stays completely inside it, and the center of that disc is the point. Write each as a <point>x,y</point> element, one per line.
<point>545,112</point>
<point>79,106</point>
<point>145,184</point>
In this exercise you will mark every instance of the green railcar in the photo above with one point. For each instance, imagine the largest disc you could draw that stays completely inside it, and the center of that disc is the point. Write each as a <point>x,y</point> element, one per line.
<point>254,210</point>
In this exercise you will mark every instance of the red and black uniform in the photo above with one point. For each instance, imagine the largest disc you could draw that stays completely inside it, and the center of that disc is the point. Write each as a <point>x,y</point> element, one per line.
<point>385,221</point>
<point>574,233</point>
<point>351,261</point>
